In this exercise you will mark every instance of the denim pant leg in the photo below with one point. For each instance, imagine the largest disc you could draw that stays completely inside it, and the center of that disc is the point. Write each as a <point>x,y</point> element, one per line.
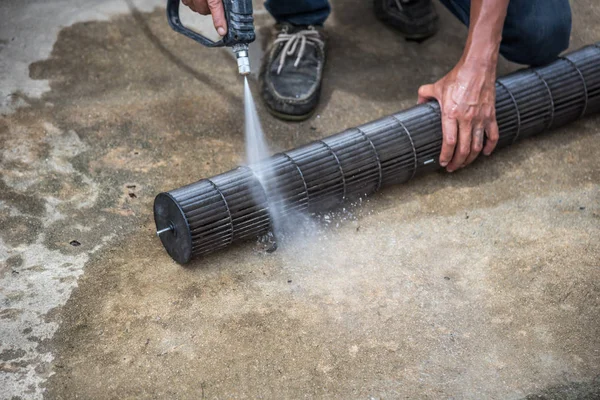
<point>299,12</point>
<point>535,31</point>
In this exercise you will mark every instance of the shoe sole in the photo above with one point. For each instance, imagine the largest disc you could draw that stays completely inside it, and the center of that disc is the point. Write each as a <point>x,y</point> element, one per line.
<point>415,37</point>
<point>290,117</point>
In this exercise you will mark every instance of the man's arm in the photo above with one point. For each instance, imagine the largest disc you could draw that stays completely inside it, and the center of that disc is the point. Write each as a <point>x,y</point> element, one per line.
<point>467,94</point>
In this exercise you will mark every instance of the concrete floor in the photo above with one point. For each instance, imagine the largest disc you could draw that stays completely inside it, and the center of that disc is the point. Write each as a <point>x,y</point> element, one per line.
<point>478,284</point>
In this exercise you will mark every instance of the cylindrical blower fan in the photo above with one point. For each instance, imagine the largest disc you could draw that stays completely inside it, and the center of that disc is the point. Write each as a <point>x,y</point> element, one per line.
<point>213,213</point>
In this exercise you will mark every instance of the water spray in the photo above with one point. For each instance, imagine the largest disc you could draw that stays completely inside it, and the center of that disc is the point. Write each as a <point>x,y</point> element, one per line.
<point>213,213</point>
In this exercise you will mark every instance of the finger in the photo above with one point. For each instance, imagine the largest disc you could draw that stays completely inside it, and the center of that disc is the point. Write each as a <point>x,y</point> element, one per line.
<point>201,7</point>
<point>190,4</point>
<point>218,16</point>
<point>476,144</point>
<point>426,93</point>
<point>463,146</point>
<point>492,137</point>
<point>449,132</point>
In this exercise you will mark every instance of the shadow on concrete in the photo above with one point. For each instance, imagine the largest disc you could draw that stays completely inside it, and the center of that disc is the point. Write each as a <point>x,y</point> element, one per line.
<point>570,391</point>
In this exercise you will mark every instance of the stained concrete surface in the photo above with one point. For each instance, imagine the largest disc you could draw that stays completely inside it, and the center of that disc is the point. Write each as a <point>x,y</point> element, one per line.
<point>477,284</point>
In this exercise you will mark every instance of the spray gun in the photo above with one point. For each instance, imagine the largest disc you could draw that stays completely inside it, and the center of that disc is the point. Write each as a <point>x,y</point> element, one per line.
<point>240,29</point>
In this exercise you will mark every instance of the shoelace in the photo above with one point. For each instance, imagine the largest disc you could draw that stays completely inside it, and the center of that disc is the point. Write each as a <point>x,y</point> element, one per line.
<point>291,41</point>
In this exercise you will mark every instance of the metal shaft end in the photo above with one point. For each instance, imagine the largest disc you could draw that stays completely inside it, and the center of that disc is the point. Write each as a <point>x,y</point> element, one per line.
<point>167,229</point>
<point>241,55</point>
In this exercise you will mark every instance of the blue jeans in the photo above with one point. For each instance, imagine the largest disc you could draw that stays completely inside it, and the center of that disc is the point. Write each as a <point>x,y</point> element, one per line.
<point>534,33</point>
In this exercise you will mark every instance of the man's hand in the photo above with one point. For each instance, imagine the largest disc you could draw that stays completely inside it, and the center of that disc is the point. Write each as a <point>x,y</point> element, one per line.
<point>467,97</point>
<point>467,94</point>
<point>213,7</point>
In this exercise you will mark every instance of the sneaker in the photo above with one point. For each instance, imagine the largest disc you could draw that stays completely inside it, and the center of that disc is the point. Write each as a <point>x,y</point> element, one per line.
<point>292,72</point>
<point>415,19</point>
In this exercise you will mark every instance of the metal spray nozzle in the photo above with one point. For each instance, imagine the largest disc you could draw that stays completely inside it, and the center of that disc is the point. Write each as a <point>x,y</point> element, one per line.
<point>241,54</point>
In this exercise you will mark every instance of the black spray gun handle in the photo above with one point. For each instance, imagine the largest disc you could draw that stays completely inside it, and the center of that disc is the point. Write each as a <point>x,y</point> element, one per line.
<point>240,24</point>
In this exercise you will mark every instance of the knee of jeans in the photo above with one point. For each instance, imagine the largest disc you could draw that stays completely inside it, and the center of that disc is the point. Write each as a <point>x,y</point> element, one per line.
<point>539,42</point>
